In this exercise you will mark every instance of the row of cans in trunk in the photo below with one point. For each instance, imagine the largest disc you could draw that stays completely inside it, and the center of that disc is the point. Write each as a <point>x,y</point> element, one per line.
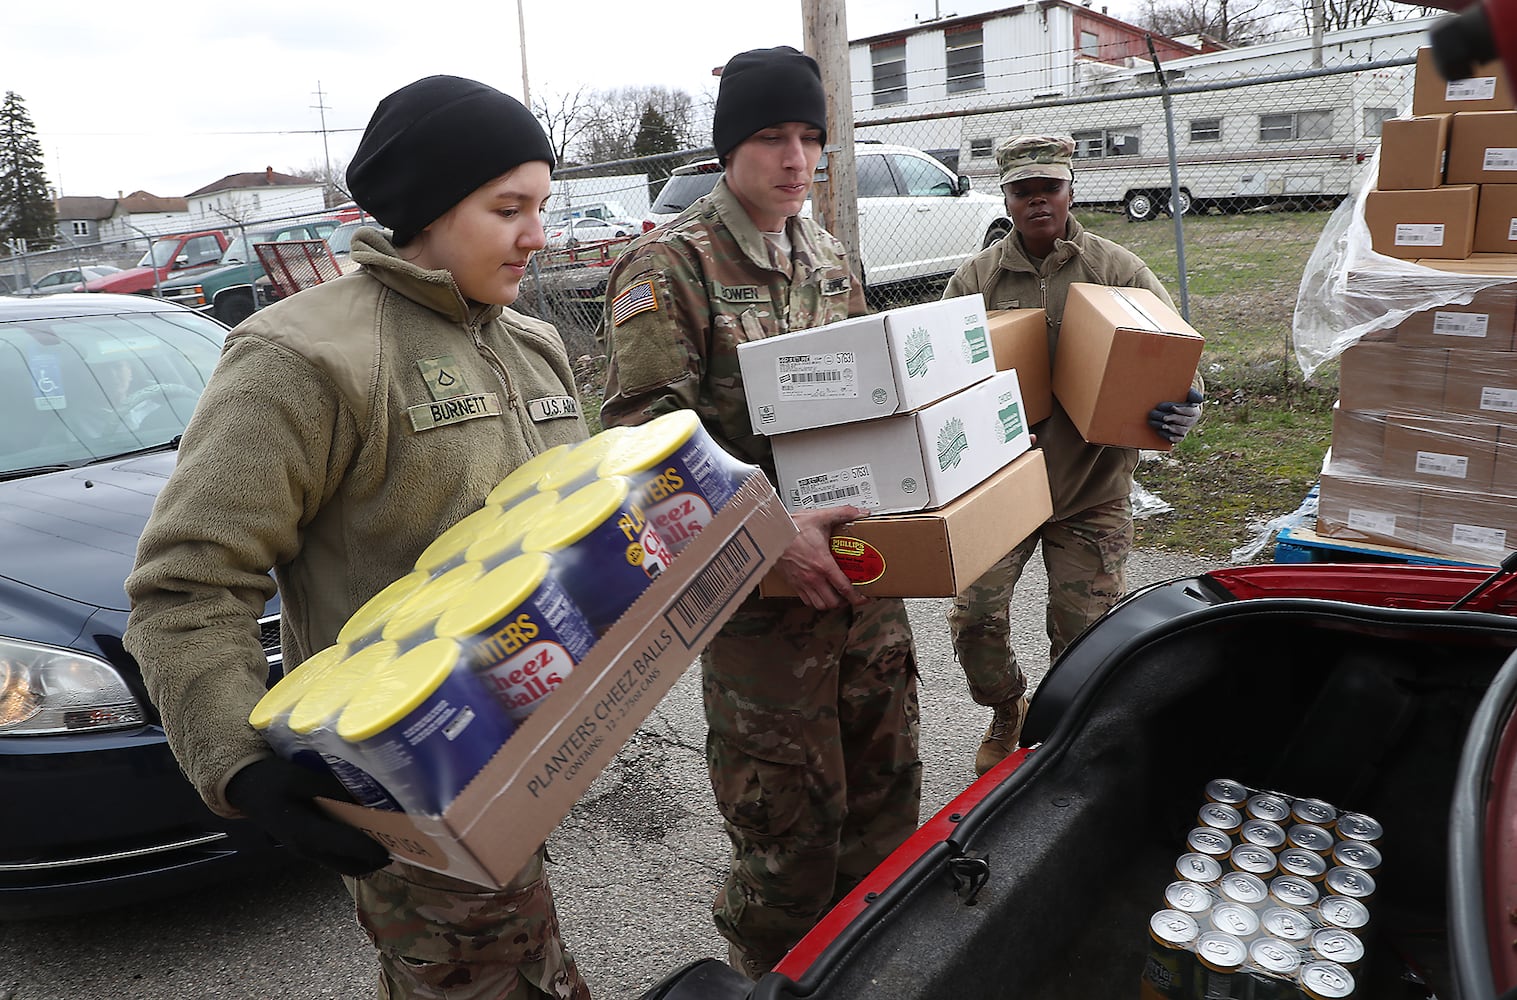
<point>430,677</point>
<point>1271,900</point>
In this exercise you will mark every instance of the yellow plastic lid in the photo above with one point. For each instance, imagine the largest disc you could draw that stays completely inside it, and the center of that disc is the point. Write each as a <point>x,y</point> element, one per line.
<point>389,695</point>
<point>457,538</point>
<point>500,592</point>
<point>579,514</point>
<point>523,479</point>
<point>513,524</point>
<point>653,442</point>
<point>293,685</point>
<point>422,608</point>
<point>376,609</point>
<point>583,461</point>
<point>330,693</point>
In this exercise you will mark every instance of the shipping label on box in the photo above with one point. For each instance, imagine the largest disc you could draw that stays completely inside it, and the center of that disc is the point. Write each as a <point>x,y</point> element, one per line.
<point>1410,225</point>
<point>940,553</point>
<point>1383,377</point>
<point>1487,90</point>
<point>1482,384</point>
<point>912,461</point>
<point>892,362</point>
<point>1019,338</point>
<point>497,822</point>
<point>1468,525</point>
<point>1120,352</point>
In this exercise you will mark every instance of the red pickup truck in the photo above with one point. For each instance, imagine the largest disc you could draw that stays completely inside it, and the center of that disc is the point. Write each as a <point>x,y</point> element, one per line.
<point>182,253</point>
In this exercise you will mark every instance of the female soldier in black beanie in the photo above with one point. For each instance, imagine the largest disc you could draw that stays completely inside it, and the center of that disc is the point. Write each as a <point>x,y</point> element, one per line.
<point>352,474</point>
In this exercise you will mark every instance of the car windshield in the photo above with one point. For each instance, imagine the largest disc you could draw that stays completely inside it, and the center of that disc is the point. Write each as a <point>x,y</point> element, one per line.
<point>682,190</point>
<point>83,388</point>
<point>237,252</point>
<point>161,254</point>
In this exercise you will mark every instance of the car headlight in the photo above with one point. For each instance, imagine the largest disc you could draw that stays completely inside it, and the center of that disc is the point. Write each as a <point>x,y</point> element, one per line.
<point>45,690</point>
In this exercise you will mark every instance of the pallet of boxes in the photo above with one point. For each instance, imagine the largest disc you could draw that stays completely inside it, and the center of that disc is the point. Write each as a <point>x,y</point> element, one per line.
<point>922,417</point>
<point>1424,450</point>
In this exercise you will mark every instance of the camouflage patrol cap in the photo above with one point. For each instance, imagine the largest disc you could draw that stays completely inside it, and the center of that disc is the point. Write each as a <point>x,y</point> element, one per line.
<point>1024,156</point>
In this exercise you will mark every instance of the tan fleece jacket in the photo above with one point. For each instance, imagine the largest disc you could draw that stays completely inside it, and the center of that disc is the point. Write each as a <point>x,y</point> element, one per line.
<point>1080,475</point>
<point>343,429</point>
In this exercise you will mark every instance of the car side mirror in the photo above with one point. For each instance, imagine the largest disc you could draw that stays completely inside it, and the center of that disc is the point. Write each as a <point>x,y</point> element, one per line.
<point>963,185</point>
<point>183,260</point>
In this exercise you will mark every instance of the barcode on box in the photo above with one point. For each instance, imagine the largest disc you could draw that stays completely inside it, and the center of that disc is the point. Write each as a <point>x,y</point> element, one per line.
<point>1500,158</point>
<point>1432,463</point>
<point>1419,234</point>
<point>1500,400</point>
<point>1476,88</point>
<point>1452,324</point>
<point>1375,521</point>
<point>726,576</point>
<point>1474,536</point>
<point>832,376</point>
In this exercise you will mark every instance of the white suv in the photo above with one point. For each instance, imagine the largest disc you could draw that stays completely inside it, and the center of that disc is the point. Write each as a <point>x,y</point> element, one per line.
<point>916,219</point>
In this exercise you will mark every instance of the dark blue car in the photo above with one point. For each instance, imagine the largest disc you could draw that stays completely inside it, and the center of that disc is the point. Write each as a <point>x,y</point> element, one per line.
<point>94,393</point>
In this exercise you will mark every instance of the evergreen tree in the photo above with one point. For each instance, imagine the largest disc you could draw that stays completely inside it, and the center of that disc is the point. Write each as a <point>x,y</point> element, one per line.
<point>655,133</point>
<point>26,208</point>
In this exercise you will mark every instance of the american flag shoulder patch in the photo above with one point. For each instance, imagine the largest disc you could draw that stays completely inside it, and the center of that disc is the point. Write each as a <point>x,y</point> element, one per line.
<point>639,298</point>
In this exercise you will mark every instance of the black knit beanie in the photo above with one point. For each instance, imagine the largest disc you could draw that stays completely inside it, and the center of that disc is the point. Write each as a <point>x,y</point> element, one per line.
<point>763,87</point>
<point>432,143</point>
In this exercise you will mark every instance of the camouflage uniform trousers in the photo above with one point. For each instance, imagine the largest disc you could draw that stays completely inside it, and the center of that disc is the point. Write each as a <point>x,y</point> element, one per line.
<point>1086,559</point>
<point>812,750</point>
<point>443,939</point>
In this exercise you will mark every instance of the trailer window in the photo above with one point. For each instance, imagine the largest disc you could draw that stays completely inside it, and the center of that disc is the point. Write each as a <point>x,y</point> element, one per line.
<point>982,147</point>
<point>1374,118</point>
<point>1098,144</point>
<point>965,49</point>
<point>889,61</point>
<point>1293,125</point>
<point>1205,129</point>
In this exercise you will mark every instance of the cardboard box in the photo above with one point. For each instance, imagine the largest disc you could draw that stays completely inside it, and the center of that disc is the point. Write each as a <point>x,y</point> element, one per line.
<point>1485,323</point>
<point>1358,441</point>
<point>511,807</point>
<point>913,461</point>
<point>1482,384</point>
<point>1439,451</point>
<point>866,367</point>
<point>1496,219</point>
<point>1412,152</point>
<point>1504,476</point>
<point>1121,350</point>
<point>1437,224</point>
<point>1483,264</point>
<point>1374,376</point>
<point>1487,90</point>
<point>1464,525</point>
<point>939,553</point>
<point>1019,340</point>
<point>1365,509</point>
<point>1483,148</point>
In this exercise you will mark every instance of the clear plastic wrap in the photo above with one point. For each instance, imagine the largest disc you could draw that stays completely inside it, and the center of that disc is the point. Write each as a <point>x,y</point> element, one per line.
<point>1349,292</point>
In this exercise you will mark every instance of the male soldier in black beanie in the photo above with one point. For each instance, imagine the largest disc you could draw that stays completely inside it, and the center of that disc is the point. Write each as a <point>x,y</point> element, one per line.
<point>352,474</point>
<point>811,703</point>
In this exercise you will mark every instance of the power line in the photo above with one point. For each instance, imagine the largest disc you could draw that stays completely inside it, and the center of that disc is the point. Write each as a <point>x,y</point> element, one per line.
<point>287,131</point>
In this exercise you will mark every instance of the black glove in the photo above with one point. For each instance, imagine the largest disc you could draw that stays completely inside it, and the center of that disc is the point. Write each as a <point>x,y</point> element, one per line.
<point>1174,420</point>
<point>277,795</point>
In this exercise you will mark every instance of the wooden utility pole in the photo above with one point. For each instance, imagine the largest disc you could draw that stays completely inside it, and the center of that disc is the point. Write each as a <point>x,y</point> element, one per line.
<point>834,201</point>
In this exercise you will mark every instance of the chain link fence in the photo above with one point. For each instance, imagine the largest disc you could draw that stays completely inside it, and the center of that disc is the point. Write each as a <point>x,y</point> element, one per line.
<point>1274,138</point>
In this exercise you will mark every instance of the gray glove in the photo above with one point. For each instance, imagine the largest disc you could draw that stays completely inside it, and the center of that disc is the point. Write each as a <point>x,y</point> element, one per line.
<point>1174,420</point>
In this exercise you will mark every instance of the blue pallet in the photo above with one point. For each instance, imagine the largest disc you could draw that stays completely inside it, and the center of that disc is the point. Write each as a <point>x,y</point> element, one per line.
<point>1303,545</point>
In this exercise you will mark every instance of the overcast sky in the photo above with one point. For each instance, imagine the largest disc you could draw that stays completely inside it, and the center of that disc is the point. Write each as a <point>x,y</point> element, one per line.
<point>185,94</point>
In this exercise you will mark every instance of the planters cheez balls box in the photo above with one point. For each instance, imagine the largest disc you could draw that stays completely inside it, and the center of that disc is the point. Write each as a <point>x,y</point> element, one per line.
<point>897,361</point>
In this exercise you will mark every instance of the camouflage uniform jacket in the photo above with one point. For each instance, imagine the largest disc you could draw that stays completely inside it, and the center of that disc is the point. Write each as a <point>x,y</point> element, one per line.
<point>715,284</point>
<point>343,429</point>
<point>1080,475</point>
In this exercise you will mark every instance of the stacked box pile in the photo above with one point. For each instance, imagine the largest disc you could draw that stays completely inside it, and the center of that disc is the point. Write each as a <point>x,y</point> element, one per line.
<point>1424,452</point>
<point>1272,899</point>
<point>905,415</point>
<point>1447,186</point>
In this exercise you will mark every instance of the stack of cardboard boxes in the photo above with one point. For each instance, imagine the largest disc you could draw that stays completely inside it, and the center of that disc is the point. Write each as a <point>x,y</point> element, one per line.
<point>1447,186</point>
<point>903,414</point>
<point>1424,452</point>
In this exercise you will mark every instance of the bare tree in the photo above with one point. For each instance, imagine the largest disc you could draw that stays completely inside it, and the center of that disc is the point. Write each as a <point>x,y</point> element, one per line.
<point>1339,14</point>
<point>612,133</point>
<point>1236,22</point>
<point>565,117</point>
<point>334,182</point>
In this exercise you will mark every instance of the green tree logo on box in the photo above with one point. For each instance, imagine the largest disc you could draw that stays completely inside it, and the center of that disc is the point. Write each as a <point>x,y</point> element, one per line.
<point>1011,421</point>
<point>918,346</point>
<point>976,345</point>
<point>952,444</point>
